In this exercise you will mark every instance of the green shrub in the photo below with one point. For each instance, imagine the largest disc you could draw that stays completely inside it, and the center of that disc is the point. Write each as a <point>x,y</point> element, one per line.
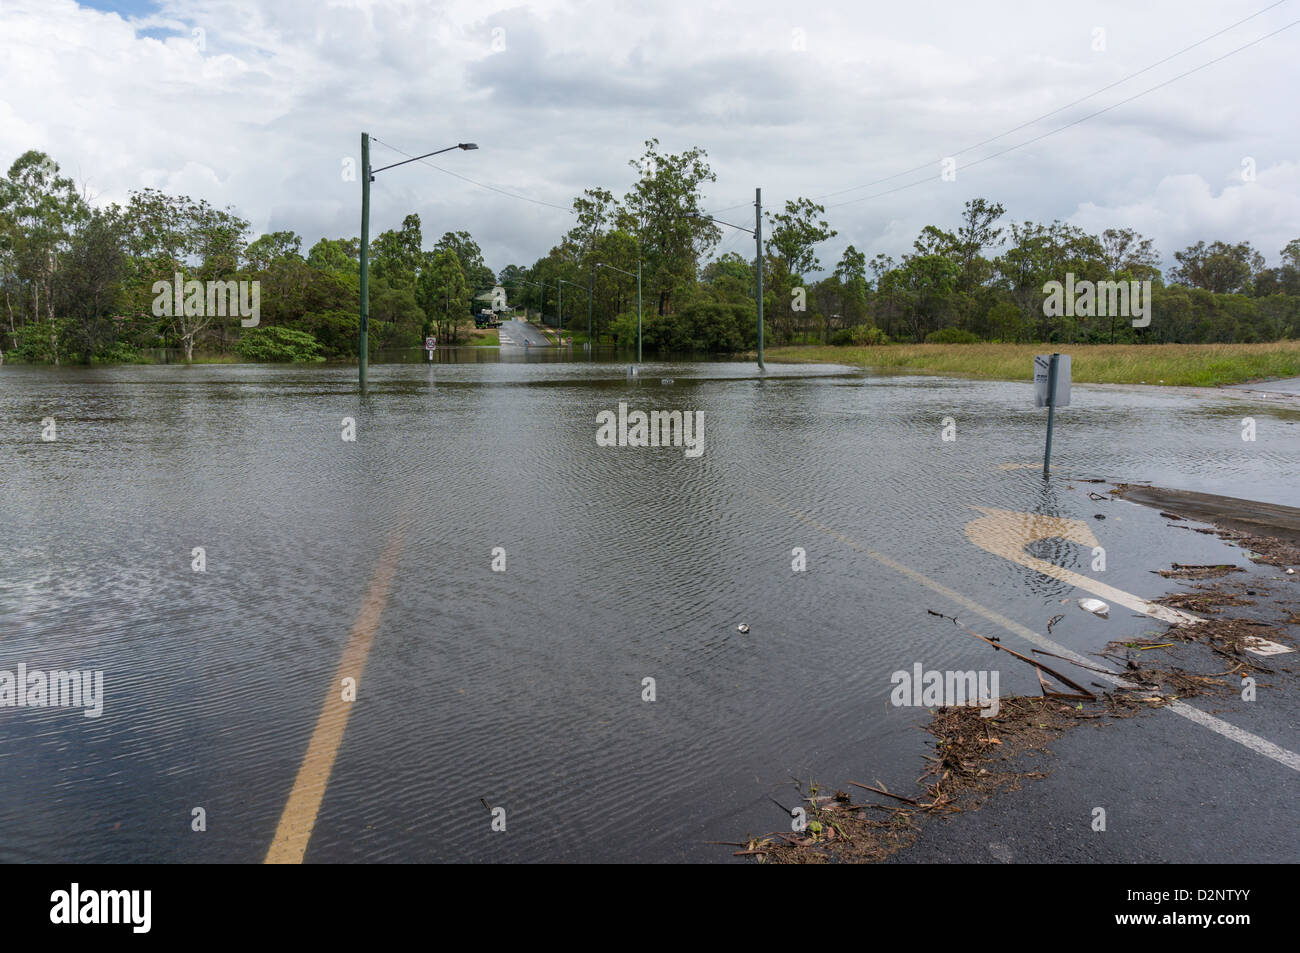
<point>275,343</point>
<point>120,352</point>
<point>951,336</point>
<point>863,335</point>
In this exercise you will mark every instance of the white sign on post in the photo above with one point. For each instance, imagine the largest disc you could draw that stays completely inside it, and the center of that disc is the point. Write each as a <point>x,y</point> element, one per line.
<point>1042,365</point>
<point>430,344</point>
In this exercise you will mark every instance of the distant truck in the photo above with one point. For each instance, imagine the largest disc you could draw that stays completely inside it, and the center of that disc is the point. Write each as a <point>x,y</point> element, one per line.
<point>487,318</point>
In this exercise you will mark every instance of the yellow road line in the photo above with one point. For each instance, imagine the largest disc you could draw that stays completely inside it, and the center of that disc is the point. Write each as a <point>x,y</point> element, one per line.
<point>1006,533</point>
<point>300,811</point>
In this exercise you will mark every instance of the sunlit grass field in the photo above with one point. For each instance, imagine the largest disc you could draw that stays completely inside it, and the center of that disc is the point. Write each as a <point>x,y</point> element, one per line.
<point>1188,365</point>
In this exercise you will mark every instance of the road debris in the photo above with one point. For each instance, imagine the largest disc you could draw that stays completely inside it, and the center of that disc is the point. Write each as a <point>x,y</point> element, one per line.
<point>1083,693</point>
<point>1189,571</point>
<point>1096,607</point>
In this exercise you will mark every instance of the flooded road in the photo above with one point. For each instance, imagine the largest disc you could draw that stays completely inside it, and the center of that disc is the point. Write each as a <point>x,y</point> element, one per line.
<point>524,688</point>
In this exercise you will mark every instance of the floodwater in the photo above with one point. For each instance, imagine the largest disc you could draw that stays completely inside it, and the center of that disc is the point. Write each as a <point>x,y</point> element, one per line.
<point>524,688</point>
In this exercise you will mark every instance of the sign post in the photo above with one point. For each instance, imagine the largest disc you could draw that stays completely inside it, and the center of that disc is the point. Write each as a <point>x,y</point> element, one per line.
<point>1051,390</point>
<point>431,345</point>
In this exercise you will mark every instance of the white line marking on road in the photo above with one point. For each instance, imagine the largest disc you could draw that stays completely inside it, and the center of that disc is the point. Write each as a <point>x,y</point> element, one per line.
<point>1006,533</point>
<point>1245,738</point>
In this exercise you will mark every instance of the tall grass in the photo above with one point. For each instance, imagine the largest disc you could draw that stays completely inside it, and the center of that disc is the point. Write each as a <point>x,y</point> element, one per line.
<point>1188,365</point>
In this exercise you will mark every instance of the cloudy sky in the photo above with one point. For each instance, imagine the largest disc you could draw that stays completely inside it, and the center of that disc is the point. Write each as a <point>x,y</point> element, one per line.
<point>260,106</point>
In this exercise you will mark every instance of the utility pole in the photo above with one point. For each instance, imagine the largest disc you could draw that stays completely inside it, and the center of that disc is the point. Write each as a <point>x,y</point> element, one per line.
<point>367,176</point>
<point>364,349</point>
<point>1051,413</point>
<point>758,241</point>
<point>591,285</point>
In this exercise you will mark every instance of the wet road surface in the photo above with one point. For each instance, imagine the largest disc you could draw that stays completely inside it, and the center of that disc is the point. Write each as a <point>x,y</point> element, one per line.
<point>525,688</point>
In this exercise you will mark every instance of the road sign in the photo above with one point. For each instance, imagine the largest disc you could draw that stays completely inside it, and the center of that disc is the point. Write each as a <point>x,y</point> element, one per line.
<point>1042,368</point>
<point>430,343</point>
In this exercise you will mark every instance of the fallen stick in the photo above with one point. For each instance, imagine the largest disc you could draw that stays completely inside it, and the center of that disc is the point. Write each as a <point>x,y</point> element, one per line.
<point>1088,668</point>
<point>897,797</point>
<point>1083,692</point>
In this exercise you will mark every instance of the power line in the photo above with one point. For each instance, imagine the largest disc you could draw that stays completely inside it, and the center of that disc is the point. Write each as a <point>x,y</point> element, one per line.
<point>1023,125</point>
<point>1068,125</point>
<point>481,185</point>
<point>1096,92</point>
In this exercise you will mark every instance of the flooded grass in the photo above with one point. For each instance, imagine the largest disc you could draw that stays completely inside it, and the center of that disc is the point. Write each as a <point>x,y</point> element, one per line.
<point>1186,365</point>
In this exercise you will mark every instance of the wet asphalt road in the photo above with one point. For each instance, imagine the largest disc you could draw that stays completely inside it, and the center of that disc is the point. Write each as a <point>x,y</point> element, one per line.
<point>515,333</point>
<point>524,687</point>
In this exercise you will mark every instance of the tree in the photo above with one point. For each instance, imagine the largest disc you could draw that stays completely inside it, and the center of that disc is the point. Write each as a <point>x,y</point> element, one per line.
<point>88,294</point>
<point>38,211</point>
<point>339,256</point>
<point>444,295</point>
<point>271,248</point>
<point>796,233</point>
<point>395,255</point>
<point>663,214</point>
<point>974,234</point>
<point>1042,253</point>
<point>167,234</point>
<point>1217,267</point>
<point>1128,254</point>
<point>462,245</point>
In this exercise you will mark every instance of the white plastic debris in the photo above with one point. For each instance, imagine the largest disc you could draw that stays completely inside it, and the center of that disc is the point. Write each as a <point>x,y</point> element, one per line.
<point>1290,572</point>
<point>1265,647</point>
<point>1096,607</point>
<point>742,628</point>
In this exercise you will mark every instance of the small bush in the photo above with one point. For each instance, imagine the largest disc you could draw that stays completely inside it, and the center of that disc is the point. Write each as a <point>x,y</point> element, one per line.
<point>951,336</point>
<point>275,343</point>
<point>864,335</point>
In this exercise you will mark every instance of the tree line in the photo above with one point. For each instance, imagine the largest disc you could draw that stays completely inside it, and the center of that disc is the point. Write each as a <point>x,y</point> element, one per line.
<point>80,282</point>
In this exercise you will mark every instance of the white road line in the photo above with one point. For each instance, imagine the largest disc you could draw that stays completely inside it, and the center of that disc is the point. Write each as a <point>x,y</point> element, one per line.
<point>1006,533</point>
<point>1245,738</point>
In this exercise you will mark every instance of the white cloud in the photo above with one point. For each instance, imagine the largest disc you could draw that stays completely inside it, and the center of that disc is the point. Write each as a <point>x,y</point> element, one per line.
<point>263,115</point>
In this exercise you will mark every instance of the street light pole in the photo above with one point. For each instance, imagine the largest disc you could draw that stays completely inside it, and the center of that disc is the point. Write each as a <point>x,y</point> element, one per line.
<point>368,176</point>
<point>566,281</point>
<point>363,344</point>
<point>758,241</point>
<point>600,264</point>
<point>757,232</point>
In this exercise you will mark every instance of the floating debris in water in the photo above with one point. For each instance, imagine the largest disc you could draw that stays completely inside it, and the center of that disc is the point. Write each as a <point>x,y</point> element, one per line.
<point>742,628</point>
<point>1096,607</point>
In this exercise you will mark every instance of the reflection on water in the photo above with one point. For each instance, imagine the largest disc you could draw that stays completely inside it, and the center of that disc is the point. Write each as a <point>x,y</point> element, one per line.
<point>524,687</point>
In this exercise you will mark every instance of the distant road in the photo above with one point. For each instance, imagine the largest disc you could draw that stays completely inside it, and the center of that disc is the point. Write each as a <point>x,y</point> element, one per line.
<point>515,333</point>
<point>1286,385</point>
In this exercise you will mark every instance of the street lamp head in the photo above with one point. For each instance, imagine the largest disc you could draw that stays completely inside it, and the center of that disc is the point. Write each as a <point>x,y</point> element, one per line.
<point>468,145</point>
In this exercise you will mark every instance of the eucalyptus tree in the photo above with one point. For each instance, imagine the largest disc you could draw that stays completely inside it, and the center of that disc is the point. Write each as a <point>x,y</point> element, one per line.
<point>664,213</point>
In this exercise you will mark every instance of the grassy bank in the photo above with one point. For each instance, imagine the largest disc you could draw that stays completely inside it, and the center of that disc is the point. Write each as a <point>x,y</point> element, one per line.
<point>1191,365</point>
<point>482,337</point>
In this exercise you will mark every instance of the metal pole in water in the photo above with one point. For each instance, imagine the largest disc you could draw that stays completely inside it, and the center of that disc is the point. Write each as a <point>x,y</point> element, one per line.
<point>363,344</point>
<point>758,242</point>
<point>1051,413</point>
